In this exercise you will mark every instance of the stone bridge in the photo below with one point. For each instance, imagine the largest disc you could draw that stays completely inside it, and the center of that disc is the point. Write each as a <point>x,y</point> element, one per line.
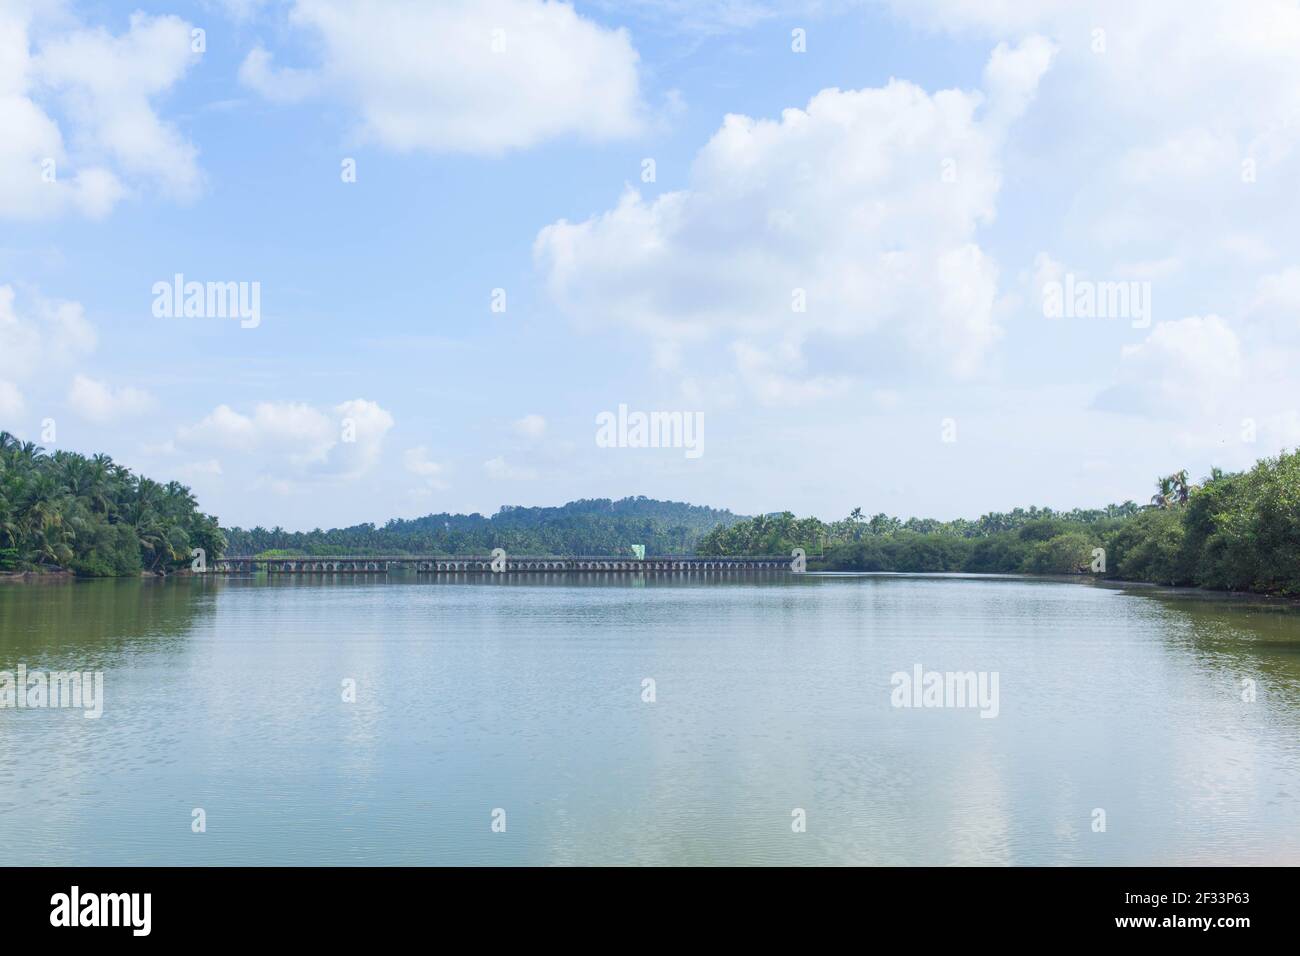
<point>483,564</point>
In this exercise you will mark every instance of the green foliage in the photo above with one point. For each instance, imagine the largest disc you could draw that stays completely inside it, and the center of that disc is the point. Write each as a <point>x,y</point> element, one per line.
<point>94,517</point>
<point>1238,532</point>
<point>107,550</point>
<point>591,526</point>
<point>1069,553</point>
<point>1254,520</point>
<point>1150,547</point>
<point>777,533</point>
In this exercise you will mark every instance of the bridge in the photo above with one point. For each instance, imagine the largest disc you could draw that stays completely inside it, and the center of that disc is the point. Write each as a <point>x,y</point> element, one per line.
<point>480,564</point>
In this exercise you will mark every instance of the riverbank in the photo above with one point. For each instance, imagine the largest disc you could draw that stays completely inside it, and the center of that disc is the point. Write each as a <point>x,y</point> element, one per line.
<point>44,575</point>
<point>47,575</point>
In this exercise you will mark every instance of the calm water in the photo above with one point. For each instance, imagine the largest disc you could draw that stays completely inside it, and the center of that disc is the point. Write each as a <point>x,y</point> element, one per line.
<point>526,694</point>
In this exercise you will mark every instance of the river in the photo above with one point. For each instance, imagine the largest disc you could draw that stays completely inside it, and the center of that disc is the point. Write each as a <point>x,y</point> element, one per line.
<point>565,719</point>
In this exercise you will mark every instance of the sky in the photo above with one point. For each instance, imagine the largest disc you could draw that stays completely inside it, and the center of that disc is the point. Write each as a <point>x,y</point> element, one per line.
<point>932,258</point>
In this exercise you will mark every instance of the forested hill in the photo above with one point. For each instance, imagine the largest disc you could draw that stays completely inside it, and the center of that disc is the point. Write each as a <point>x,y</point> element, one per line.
<point>589,526</point>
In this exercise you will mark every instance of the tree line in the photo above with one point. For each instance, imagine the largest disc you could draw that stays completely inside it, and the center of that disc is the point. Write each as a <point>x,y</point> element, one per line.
<point>588,526</point>
<point>64,511</point>
<point>1237,532</point>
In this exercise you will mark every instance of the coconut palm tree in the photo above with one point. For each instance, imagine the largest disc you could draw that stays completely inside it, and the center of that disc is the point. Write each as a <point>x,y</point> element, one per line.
<point>58,511</point>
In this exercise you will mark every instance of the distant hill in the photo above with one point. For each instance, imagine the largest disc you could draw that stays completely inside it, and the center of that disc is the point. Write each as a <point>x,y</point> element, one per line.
<point>589,526</point>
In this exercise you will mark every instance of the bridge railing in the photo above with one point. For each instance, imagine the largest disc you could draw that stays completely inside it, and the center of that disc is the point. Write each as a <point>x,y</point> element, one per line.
<point>442,564</point>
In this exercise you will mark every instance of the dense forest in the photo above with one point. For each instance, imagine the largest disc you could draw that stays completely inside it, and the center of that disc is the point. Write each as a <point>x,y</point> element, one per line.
<point>1231,532</point>
<point>590,526</point>
<point>93,517</point>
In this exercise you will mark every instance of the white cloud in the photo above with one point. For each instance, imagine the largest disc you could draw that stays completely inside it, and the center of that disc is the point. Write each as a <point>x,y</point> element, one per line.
<point>1216,381</point>
<point>1178,122</point>
<point>1185,367</point>
<point>1274,310</point>
<point>1211,394</point>
<point>767,375</point>
<point>844,203</point>
<point>499,469</point>
<point>102,85</point>
<point>1012,74</point>
<point>359,455</point>
<point>417,462</point>
<point>531,427</point>
<point>11,402</point>
<point>29,346</point>
<point>1161,106</point>
<point>425,76</point>
<point>277,84</point>
<point>294,440</point>
<point>101,403</point>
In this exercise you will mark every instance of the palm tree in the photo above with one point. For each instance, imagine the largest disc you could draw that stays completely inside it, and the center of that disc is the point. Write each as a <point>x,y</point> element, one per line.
<point>1172,489</point>
<point>58,510</point>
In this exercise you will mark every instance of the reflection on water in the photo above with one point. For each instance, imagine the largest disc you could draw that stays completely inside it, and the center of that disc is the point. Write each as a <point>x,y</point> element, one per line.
<point>772,693</point>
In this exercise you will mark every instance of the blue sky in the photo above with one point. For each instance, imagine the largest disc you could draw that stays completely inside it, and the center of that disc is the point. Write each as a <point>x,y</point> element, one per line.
<point>922,172</point>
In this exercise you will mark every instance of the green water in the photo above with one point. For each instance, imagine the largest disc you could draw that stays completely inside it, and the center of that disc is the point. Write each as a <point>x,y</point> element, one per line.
<point>772,695</point>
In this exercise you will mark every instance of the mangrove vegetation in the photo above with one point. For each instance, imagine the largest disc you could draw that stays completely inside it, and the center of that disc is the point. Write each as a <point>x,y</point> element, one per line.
<point>1238,532</point>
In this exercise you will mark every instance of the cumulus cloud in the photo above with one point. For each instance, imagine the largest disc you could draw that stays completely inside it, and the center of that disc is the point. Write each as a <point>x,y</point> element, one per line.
<point>1178,121</point>
<point>1250,30</point>
<point>853,218</point>
<point>277,84</point>
<point>1012,74</point>
<point>1186,366</point>
<point>297,441</point>
<point>1189,105</point>
<point>44,335</point>
<point>473,76</point>
<point>1220,384</point>
<point>101,403</point>
<point>108,136</point>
